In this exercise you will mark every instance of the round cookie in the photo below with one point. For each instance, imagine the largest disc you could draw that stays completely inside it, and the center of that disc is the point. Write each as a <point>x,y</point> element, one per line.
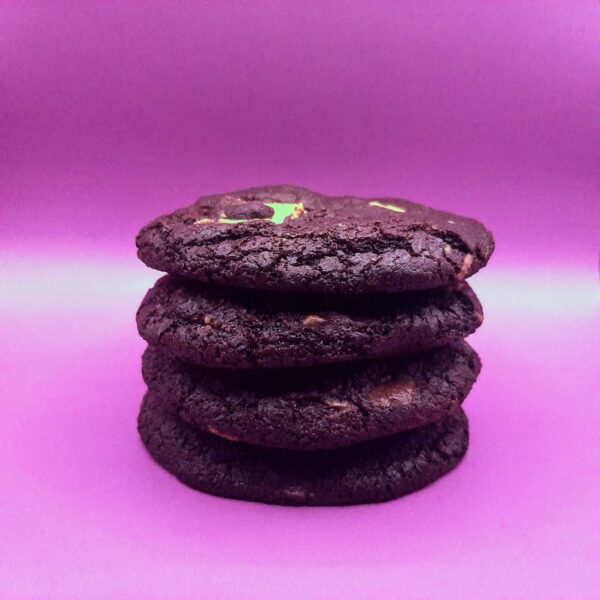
<point>373,471</point>
<point>243,329</point>
<point>315,408</point>
<point>286,238</point>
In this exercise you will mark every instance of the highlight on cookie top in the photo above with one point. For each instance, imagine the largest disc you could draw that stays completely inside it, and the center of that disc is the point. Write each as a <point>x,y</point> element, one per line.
<point>281,212</point>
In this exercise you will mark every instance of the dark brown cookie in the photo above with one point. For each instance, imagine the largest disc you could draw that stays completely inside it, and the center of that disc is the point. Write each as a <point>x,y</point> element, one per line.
<point>315,408</point>
<point>373,471</point>
<point>242,329</point>
<point>286,238</point>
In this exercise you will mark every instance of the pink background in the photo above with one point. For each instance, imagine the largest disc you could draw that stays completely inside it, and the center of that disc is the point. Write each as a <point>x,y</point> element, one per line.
<point>114,112</point>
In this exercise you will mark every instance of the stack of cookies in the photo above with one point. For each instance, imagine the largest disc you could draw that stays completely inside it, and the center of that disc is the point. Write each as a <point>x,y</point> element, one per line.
<point>306,349</point>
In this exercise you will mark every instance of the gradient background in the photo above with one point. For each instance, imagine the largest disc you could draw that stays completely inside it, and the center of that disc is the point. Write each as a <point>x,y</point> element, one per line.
<point>114,112</point>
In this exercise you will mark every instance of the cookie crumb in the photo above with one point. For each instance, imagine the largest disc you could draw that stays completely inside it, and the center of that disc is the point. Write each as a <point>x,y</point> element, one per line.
<point>297,495</point>
<point>391,207</point>
<point>399,391</point>
<point>312,320</point>
<point>338,403</point>
<point>466,267</point>
<point>220,434</point>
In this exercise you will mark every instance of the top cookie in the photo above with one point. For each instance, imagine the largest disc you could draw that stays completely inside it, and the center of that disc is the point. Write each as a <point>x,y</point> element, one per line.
<point>287,238</point>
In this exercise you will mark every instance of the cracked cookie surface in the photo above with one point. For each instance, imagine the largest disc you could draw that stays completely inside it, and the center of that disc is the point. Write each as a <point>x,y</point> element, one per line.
<point>243,329</point>
<point>373,471</point>
<point>315,408</point>
<point>287,238</point>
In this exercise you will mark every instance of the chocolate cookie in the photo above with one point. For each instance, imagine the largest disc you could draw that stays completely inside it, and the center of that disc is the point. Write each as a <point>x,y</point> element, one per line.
<point>369,472</point>
<point>319,408</point>
<point>286,238</point>
<point>242,329</point>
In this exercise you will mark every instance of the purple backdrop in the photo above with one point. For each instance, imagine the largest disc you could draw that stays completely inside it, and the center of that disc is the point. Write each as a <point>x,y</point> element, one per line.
<point>114,112</point>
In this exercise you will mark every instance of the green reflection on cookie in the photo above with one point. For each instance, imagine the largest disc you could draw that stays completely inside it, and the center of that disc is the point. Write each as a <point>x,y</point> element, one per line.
<point>281,211</point>
<point>378,204</point>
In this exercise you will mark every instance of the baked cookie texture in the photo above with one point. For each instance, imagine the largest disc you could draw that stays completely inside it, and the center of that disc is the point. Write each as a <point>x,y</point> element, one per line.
<point>315,408</point>
<point>306,349</point>
<point>290,239</point>
<point>374,471</point>
<point>218,327</point>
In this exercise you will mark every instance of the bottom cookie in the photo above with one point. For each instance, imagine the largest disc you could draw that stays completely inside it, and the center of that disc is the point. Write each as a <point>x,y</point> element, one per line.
<point>372,471</point>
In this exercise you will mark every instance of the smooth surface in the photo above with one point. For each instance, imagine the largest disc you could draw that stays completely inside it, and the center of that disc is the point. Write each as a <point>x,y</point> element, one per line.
<point>114,112</point>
